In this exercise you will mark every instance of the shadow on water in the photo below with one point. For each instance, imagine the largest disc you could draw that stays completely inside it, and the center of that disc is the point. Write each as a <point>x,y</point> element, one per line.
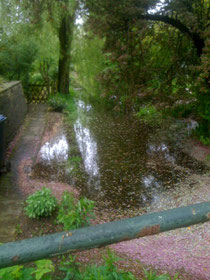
<point>114,159</point>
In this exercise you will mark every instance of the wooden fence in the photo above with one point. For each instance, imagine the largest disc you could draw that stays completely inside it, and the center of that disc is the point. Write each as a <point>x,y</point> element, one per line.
<point>37,93</point>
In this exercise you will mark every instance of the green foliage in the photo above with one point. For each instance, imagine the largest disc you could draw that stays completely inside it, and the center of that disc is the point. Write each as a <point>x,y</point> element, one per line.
<point>107,271</point>
<point>149,114</point>
<point>41,204</point>
<point>181,110</point>
<point>16,273</point>
<point>43,270</point>
<point>75,159</point>
<point>16,58</point>
<point>73,163</point>
<point>74,214</point>
<point>62,103</point>
<point>88,61</point>
<point>2,80</point>
<point>58,102</point>
<point>18,229</point>
<point>205,140</point>
<point>152,275</point>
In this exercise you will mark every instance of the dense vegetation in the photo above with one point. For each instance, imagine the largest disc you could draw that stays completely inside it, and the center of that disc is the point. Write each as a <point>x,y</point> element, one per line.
<point>129,54</point>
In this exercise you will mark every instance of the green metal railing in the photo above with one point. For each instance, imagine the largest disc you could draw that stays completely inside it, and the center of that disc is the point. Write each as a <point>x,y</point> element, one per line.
<point>101,235</point>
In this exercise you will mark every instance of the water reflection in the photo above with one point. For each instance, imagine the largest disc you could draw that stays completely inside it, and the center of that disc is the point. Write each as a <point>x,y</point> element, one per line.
<point>150,182</point>
<point>85,107</point>
<point>57,150</point>
<point>122,166</point>
<point>88,150</point>
<point>161,149</point>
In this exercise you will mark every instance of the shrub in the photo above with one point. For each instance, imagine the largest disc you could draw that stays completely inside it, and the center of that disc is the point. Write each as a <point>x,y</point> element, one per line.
<point>205,140</point>
<point>41,204</point>
<point>58,102</point>
<point>17,57</point>
<point>74,215</point>
<point>149,114</point>
<point>43,270</point>
<point>62,103</point>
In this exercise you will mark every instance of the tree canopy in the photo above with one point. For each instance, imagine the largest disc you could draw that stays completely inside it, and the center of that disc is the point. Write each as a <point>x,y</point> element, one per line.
<point>127,52</point>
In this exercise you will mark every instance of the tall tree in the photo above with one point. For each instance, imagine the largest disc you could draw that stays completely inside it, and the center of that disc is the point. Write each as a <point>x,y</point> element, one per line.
<point>62,16</point>
<point>65,33</point>
<point>188,16</point>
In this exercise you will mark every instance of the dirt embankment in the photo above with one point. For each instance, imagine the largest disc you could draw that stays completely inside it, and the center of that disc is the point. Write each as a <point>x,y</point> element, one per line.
<point>198,151</point>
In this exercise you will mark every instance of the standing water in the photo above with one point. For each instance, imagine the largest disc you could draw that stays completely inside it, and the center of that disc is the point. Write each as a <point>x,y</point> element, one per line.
<point>120,162</point>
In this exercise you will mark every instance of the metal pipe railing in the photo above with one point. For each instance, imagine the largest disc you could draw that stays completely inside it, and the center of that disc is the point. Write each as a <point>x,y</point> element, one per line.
<point>48,246</point>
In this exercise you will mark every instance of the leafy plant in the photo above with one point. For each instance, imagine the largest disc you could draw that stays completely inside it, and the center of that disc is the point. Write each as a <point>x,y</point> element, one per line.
<point>107,271</point>
<point>205,140</point>
<point>75,159</point>
<point>149,114</point>
<point>18,229</point>
<point>41,204</point>
<point>63,103</point>
<point>74,215</point>
<point>58,102</point>
<point>42,271</point>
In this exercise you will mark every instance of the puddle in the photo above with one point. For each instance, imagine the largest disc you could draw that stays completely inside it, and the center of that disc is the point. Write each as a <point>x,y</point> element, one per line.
<point>56,150</point>
<point>118,161</point>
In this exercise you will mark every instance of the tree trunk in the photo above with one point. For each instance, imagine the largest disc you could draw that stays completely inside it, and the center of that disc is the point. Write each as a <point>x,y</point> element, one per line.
<point>65,39</point>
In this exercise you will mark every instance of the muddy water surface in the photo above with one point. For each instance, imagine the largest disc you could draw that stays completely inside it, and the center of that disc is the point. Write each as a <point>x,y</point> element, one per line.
<point>116,160</point>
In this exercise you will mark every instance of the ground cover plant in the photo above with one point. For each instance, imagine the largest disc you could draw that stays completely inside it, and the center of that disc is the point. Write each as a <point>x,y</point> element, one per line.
<point>74,214</point>
<point>69,269</point>
<point>41,204</point>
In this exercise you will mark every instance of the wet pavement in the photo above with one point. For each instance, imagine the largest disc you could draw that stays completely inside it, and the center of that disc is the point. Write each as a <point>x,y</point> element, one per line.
<point>26,146</point>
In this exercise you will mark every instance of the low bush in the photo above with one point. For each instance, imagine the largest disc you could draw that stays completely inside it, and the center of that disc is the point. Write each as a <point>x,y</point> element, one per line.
<point>107,271</point>
<point>149,115</point>
<point>41,204</point>
<point>74,214</point>
<point>58,102</point>
<point>43,270</point>
<point>64,104</point>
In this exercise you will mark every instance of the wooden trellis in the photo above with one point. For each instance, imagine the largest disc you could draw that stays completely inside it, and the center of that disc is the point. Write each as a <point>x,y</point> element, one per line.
<point>40,93</point>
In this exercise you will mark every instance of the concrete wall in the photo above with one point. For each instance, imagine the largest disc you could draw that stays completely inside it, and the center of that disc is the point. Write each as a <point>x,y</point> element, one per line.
<point>13,106</point>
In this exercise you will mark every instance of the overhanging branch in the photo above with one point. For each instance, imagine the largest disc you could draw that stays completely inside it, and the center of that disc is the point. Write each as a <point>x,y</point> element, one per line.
<point>197,40</point>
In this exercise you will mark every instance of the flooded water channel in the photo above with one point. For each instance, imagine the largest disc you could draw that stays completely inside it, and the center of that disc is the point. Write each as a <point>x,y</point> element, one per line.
<point>114,159</point>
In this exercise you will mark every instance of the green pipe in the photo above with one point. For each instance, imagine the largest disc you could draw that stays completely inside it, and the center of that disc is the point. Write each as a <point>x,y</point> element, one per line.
<point>101,235</point>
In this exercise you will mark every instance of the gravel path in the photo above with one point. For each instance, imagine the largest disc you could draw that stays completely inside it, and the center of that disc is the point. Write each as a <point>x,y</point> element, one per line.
<point>181,250</point>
